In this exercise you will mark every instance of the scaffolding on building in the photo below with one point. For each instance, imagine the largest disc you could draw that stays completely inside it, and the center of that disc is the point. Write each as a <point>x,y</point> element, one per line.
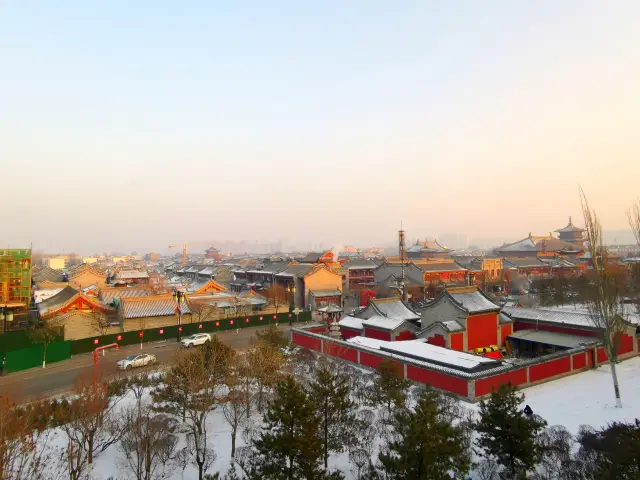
<point>15,278</point>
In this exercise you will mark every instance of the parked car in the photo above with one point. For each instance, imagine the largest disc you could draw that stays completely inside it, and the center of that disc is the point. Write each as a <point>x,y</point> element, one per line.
<point>195,340</point>
<point>134,361</point>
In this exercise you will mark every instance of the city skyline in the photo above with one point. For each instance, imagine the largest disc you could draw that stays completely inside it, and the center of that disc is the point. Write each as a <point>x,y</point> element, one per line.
<point>125,125</point>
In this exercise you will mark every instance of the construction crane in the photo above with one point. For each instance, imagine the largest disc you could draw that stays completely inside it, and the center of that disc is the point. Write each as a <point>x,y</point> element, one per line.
<point>184,252</point>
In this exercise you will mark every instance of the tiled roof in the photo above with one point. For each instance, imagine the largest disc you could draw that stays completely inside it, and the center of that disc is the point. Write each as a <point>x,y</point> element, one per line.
<point>570,228</point>
<point>553,338</point>
<point>154,306</point>
<point>64,297</point>
<point>391,308</point>
<point>325,293</point>
<point>132,274</point>
<point>412,273</point>
<point>48,274</point>
<point>578,317</point>
<point>453,326</point>
<point>351,322</point>
<point>312,257</point>
<point>208,271</point>
<point>295,271</point>
<point>514,262</point>
<point>440,267</point>
<point>360,263</point>
<point>384,323</point>
<point>524,245</point>
<point>108,295</point>
<point>472,300</point>
<point>85,268</point>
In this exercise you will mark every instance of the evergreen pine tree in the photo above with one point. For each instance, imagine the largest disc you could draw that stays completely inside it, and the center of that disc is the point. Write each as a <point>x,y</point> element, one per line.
<point>612,452</point>
<point>389,387</point>
<point>289,446</point>
<point>428,445</point>
<point>330,392</point>
<point>506,434</point>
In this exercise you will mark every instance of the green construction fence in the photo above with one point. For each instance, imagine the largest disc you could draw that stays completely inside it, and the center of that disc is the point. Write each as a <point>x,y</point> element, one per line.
<point>18,340</point>
<point>157,334</point>
<point>24,358</point>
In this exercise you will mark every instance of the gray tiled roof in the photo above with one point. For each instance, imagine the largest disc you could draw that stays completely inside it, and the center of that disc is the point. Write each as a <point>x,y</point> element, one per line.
<point>158,306</point>
<point>578,317</point>
<point>412,273</point>
<point>108,295</point>
<point>524,245</point>
<point>57,300</point>
<point>440,267</point>
<point>474,302</point>
<point>48,274</point>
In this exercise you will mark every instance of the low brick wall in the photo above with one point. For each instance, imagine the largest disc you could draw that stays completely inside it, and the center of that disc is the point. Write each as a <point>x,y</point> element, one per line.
<point>467,386</point>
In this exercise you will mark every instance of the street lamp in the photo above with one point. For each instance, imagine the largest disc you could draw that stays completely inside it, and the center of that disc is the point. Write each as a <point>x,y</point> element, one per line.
<point>292,290</point>
<point>7,317</point>
<point>179,298</point>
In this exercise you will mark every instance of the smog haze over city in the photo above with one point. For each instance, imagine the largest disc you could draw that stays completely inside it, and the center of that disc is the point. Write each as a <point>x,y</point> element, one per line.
<point>133,125</point>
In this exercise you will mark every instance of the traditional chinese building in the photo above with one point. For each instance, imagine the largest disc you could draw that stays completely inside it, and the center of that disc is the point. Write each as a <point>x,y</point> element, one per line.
<point>359,272</point>
<point>571,234</point>
<point>426,249</point>
<point>212,253</point>
<point>384,319</point>
<point>81,315</point>
<point>463,319</point>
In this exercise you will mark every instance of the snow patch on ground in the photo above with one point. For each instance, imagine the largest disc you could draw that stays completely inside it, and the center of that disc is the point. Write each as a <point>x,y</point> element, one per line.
<point>585,398</point>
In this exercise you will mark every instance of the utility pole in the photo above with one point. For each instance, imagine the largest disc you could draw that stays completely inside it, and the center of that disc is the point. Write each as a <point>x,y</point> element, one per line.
<point>405,297</point>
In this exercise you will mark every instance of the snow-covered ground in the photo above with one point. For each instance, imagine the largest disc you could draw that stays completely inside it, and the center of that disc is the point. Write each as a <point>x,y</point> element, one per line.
<point>586,398</point>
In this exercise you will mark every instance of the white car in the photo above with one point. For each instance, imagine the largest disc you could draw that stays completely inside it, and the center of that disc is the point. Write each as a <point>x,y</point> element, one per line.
<point>195,340</point>
<point>134,361</point>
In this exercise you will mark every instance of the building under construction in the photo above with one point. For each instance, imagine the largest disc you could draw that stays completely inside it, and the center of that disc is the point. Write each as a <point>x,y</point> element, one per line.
<point>15,279</point>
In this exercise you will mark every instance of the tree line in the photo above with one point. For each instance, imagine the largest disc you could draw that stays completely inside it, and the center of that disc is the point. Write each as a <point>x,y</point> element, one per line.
<point>297,413</point>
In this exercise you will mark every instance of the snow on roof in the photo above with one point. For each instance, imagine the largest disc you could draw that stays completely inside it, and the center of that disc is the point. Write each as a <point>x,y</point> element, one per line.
<point>351,322</point>
<point>40,295</point>
<point>420,350</point>
<point>453,326</point>
<point>382,322</point>
<point>567,315</point>
<point>444,356</point>
<point>394,308</point>
<point>474,302</point>
<point>367,342</point>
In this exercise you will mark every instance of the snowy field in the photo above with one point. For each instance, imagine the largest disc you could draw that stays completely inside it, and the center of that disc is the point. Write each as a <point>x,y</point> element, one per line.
<point>586,398</point>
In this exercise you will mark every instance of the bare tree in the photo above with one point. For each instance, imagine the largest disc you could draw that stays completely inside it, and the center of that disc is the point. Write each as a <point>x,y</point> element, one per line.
<point>276,296</point>
<point>266,364</point>
<point>633,214</point>
<point>234,408</point>
<point>190,391</point>
<point>202,311</point>
<point>24,451</point>
<point>100,322</point>
<point>148,443</point>
<point>90,423</point>
<point>360,458</point>
<point>606,305</point>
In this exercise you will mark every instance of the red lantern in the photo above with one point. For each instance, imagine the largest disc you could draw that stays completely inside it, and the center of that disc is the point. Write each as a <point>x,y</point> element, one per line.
<point>275,316</point>
<point>200,326</point>
<point>260,318</point>
<point>119,337</point>
<point>231,322</point>
<point>161,331</point>
<point>179,329</point>
<point>289,315</point>
<point>217,324</point>
<point>95,341</point>
<point>246,320</point>
<point>141,334</point>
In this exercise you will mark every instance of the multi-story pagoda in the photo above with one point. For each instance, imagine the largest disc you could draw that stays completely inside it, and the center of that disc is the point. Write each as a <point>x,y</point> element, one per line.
<point>571,233</point>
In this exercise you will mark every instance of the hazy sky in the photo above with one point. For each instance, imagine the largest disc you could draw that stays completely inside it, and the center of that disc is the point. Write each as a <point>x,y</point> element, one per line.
<point>131,124</point>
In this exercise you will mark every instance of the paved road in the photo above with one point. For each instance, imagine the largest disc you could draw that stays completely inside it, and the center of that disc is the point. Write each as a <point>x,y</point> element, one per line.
<point>59,377</point>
